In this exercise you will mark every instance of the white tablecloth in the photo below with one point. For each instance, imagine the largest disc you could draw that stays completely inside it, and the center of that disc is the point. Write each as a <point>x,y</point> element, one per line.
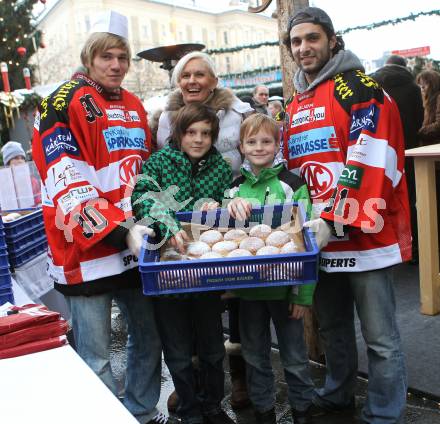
<point>56,387</point>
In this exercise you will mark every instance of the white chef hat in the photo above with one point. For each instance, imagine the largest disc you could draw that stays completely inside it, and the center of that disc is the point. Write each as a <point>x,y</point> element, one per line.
<point>111,22</point>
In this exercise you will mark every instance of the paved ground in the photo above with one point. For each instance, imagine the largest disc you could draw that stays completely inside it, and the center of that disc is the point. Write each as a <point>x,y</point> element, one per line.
<point>420,410</point>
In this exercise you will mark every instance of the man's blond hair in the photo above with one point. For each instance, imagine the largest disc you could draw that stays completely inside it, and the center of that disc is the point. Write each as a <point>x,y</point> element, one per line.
<point>99,42</point>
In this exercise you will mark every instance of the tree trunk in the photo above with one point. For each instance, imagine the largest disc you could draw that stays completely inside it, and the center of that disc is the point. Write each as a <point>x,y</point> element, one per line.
<point>285,9</point>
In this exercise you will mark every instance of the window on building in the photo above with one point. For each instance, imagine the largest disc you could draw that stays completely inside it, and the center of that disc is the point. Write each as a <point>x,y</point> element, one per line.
<point>248,63</point>
<point>205,36</point>
<point>189,34</point>
<point>262,62</point>
<point>228,65</point>
<point>87,23</point>
<point>225,37</point>
<point>155,31</point>
<point>146,31</point>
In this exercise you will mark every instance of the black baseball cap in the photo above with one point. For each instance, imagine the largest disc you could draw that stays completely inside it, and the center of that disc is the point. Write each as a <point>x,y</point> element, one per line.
<point>313,15</point>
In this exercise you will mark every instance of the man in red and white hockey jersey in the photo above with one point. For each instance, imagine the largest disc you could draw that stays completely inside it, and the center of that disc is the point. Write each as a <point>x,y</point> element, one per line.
<point>90,139</point>
<point>344,137</point>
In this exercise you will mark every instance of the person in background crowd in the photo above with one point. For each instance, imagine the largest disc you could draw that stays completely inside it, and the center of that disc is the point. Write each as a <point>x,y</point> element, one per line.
<point>429,82</point>
<point>276,111</point>
<point>90,138</point>
<point>355,175</point>
<point>260,97</point>
<point>399,83</point>
<point>196,80</point>
<point>14,154</point>
<point>191,163</point>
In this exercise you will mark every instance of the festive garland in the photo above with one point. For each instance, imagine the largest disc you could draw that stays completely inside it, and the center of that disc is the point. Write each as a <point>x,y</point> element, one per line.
<point>369,27</point>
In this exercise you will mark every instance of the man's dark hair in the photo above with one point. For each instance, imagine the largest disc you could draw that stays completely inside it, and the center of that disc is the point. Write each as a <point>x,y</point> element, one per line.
<point>396,60</point>
<point>191,113</point>
<point>317,16</point>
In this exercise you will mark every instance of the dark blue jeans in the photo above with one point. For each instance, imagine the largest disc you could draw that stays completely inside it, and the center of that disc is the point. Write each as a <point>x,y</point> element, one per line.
<point>372,294</point>
<point>180,322</point>
<point>255,317</point>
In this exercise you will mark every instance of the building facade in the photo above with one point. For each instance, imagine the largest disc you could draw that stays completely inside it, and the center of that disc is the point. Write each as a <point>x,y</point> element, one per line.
<point>152,24</point>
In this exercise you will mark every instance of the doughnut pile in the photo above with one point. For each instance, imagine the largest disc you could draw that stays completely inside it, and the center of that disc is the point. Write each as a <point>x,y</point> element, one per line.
<point>261,240</point>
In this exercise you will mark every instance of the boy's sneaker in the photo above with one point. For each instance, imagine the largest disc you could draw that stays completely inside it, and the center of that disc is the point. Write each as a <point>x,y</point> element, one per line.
<point>267,417</point>
<point>160,418</point>
<point>220,418</point>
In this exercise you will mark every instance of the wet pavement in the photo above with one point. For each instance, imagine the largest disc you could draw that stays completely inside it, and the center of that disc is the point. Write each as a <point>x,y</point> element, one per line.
<point>421,409</point>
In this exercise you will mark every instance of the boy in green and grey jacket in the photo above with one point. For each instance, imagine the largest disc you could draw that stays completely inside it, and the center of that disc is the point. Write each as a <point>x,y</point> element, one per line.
<point>265,180</point>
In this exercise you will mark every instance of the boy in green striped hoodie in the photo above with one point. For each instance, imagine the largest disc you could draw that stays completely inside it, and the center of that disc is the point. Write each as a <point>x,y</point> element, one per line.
<point>265,180</point>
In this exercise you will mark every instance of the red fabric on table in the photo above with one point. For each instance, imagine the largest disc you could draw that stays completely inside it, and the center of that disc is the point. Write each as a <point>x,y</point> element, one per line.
<point>33,333</point>
<point>32,347</point>
<point>27,316</point>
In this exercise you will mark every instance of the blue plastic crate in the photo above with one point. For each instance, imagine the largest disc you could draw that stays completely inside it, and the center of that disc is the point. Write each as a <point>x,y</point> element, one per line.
<point>26,240</point>
<point>4,262</point>
<point>5,279</point>
<point>25,255</point>
<point>6,296</point>
<point>229,273</point>
<point>31,221</point>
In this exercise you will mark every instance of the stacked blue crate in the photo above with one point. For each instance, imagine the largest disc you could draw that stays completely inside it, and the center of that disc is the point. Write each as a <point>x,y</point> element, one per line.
<point>25,238</point>
<point>6,294</point>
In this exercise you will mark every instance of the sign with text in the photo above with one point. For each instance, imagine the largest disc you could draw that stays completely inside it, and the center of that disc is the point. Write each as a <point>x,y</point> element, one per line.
<point>417,51</point>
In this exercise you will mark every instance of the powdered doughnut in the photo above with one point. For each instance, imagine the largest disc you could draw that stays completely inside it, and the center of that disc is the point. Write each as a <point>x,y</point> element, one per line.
<point>239,252</point>
<point>277,239</point>
<point>224,247</point>
<point>211,255</point>
<point>252,244</point>
<point>261,231</point>
<point>235,235</point>
<point>268,250</point>
<point>289,247</point>
<point>197,249</point>
<point>211,237</point>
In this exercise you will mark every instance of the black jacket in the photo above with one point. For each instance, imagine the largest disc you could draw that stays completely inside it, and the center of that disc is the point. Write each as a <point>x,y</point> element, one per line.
<point>399,83</point>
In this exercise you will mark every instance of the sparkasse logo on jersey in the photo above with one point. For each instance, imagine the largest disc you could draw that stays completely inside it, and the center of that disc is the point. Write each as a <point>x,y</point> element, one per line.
<point>309,115</point>
<point>120,138</point>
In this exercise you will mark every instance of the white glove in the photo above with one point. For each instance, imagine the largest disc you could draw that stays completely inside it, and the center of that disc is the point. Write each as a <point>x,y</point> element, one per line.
<point>135,237</point>
<point>322,231</point>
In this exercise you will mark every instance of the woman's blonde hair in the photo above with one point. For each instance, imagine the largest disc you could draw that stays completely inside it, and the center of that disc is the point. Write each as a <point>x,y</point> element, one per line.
<point>100,42</point>
<point>178,69</point>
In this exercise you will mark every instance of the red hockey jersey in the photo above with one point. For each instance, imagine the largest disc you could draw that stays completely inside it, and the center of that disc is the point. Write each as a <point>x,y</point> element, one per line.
<point>88,146</point>
<point>344,137</point>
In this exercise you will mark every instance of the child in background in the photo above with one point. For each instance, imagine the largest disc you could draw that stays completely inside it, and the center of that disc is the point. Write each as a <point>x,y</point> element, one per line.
<point>266,180</point>
<point>13,155</point>
<point>191,163</point>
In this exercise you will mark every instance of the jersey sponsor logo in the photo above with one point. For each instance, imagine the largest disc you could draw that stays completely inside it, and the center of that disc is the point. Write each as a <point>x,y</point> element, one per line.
<point>129,168</point>
<point>318,177</point>
<point>120,138</point>
<point>342,88</point>
<point>65,174</point>
<point>129,259</point>
<point>338,262</point>
<point>122,115</point>
<point>59,99</point>
<point>76,196</point>
<point>305,96</point>
<point>308,116</point>
<point>366,80</point>
<point>318,140</point>
<point>351,176</point>
<point>59,141</point>
<point>364,119</point>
